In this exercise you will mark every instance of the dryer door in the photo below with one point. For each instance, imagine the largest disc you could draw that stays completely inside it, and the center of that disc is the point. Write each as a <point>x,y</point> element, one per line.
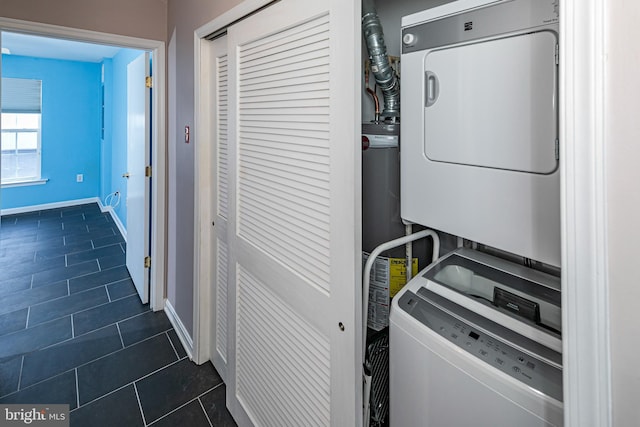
<point>493,103</point>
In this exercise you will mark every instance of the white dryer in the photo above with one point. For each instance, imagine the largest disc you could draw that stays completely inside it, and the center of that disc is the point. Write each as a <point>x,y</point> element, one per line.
<point>480,150</point>
<point>475,341</point>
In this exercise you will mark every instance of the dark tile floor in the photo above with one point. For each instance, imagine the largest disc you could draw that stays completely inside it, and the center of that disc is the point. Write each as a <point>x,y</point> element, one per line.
<point>73,330</point>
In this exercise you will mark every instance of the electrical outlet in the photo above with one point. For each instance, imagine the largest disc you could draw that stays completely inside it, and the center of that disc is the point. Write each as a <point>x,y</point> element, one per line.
<point>79,177</point>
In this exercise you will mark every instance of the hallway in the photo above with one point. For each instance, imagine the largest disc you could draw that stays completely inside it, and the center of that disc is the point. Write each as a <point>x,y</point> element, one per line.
<point>73,330</point>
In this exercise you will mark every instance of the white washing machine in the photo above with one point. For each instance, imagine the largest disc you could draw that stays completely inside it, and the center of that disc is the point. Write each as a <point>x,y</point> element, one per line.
<point>476,341</point>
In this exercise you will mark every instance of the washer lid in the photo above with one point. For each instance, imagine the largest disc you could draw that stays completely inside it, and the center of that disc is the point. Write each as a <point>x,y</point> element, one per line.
<point>521,299</point>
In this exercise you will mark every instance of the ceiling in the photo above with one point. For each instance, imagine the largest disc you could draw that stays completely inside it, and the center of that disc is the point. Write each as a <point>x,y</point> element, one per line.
<point>46,47</point>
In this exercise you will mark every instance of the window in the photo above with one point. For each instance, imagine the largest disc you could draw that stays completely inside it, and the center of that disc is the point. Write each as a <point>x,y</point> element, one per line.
<point>21,125</point>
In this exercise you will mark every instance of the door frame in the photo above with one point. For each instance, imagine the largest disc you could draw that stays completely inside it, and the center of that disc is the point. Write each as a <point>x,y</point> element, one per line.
<point>585,275</point>
<point>158,141</point>
<point>204,307</point>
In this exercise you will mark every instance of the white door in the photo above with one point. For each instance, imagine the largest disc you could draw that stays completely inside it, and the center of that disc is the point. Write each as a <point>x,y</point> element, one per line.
<point>294,216</point>
<point>138,102</point>
<point>220,198</point>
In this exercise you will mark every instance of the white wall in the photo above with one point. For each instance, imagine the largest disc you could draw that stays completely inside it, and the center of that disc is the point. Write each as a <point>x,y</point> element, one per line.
<point>623,200</point>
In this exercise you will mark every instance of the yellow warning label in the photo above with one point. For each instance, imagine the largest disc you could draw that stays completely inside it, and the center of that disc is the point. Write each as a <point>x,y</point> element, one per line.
<point>398,274</point>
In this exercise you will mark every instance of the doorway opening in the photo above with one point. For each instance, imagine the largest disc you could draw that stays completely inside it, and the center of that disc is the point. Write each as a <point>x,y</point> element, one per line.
<point>109,46</point>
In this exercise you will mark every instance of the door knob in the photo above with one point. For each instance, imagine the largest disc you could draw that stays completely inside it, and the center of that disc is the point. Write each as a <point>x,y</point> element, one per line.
<point>125,175</point>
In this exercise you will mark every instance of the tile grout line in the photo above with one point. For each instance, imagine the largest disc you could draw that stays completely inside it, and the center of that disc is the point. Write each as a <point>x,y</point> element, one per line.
<point>120,335</point>
<point>28,313</point>
<point>172,346</point>
<point>77,389</point>
<point>130,383</point>
<point>65,267</point>
<point>67,296</point>
<point>96,272</point>
<point>104,395</point>
<point>187,403</point>
<point>110,354</point>
<point>91,308</point>
<point>95,306</point>
<point>67,260</point>
<point>205,412</point>
<point>144,421</point>
<point>20,376</point>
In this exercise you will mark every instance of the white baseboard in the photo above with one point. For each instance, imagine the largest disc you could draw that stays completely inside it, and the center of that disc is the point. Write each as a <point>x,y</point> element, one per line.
<point>66,204</point>
<point>25,209</point>
<point>185,339</point>
<point>115,218</point>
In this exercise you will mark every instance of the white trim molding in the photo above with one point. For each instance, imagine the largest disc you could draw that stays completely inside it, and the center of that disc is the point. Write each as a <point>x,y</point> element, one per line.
<point>203,309</point>
<point>203,306</point>
<point>115,217</point>
<point>25,183</point>
<point>180,329</point>
<point>234,14</point>
<point>585,293</point>
<point>158,143</point>
<point>55,205</point>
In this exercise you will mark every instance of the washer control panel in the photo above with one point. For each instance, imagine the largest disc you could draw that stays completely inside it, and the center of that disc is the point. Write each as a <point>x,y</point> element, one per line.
<point>515,359</point>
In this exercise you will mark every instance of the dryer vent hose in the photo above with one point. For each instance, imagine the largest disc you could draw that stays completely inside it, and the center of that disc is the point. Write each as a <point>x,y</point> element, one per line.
<point>380,66</point>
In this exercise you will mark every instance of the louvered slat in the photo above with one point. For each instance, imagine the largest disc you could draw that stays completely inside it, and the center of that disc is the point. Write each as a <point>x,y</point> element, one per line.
<point>283,363</point>
<point>284,176</point>
<point>222,279</point>
<point>222,109</point>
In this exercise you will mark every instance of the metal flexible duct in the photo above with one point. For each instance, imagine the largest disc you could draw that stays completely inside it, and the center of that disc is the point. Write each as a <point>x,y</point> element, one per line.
<point>380,65</point>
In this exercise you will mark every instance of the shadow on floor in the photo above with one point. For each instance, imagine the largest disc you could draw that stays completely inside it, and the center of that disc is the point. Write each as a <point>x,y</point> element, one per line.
<point>73,330</point>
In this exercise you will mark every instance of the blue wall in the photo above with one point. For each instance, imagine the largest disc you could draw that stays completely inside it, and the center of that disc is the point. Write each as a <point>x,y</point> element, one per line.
<point>71,120</point>
<point>115,158</point>
<point>105,153</point>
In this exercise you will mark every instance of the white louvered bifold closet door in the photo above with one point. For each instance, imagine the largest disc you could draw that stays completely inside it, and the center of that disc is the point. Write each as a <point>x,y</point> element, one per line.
<point>220,175</point>
<point>295,207</point>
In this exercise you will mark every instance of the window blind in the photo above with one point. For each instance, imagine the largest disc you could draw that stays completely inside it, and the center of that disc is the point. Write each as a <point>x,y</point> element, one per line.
<point>21,95</point>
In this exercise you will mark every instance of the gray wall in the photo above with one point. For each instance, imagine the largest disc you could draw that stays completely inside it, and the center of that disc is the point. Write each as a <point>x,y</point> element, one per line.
<point>139,18</point>
<point>185,16</point>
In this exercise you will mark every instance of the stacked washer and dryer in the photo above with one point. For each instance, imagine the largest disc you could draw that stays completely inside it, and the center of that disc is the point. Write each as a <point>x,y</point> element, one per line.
<point>475,340</point>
